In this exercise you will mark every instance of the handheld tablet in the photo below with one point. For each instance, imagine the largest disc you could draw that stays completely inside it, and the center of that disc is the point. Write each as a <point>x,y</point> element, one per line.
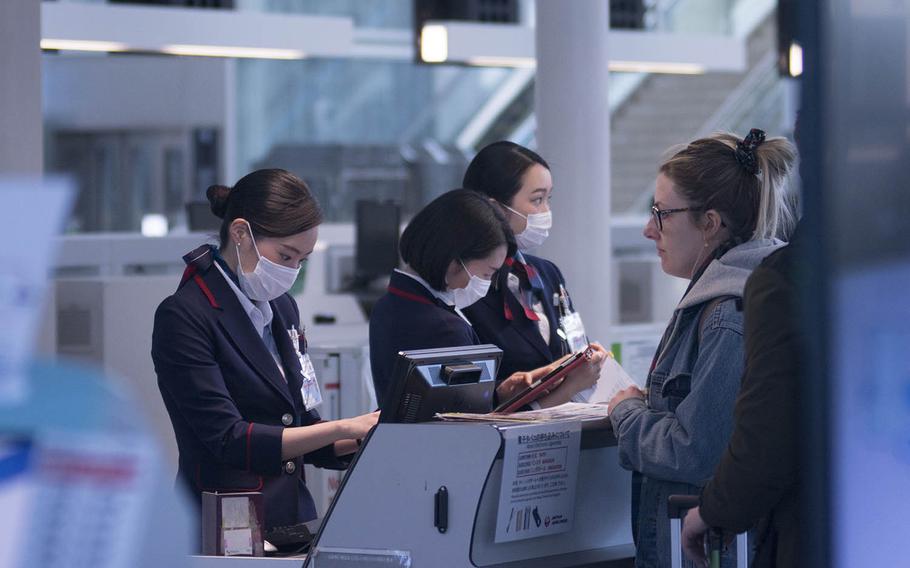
<point>536,389</point>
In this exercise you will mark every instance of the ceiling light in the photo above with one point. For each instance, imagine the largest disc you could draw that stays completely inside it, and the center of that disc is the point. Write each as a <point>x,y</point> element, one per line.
<point>232,51</point>
<point>82,45</point>
<point>434,44</point>
<point>656,67</point>
<point>796,60</point>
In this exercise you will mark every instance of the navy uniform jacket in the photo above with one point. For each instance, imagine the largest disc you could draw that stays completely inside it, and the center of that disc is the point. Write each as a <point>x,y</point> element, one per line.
<point>226,398</point>
<point>523,347</point>
<point>409,317</point>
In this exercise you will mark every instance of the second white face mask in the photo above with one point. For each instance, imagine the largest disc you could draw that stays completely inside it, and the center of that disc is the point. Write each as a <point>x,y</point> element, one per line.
<point>268,280</point>
<point>476,289</point>
<point>536,230</point>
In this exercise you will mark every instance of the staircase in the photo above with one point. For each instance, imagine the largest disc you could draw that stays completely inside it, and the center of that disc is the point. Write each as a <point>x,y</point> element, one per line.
<point>664,111</point>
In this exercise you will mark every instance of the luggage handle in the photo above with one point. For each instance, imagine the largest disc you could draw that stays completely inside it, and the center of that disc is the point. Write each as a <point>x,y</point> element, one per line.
<point>677,507</point>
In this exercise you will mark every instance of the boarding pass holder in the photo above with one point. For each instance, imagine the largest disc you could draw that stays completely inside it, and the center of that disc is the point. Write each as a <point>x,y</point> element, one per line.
<point>309,390</point>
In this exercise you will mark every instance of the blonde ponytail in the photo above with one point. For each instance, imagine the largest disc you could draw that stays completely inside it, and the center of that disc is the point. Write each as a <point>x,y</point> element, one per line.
<point>776,217</point>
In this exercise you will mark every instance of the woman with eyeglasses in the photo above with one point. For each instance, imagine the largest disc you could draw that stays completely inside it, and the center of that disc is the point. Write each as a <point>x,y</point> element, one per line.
<point>720,207</point>
<point>451,251</point>
<point>528,312</point>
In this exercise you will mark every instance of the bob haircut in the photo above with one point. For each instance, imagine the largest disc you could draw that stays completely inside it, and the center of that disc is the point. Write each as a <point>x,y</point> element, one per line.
<point>458,225</point>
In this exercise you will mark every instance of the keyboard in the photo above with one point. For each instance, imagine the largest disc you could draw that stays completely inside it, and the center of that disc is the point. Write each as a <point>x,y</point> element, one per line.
<point>289,538</point>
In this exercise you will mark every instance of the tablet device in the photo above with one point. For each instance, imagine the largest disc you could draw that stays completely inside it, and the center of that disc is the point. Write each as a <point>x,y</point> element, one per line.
<point>536,389</point>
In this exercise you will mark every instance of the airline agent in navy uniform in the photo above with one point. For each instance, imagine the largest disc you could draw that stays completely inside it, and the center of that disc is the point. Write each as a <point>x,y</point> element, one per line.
<point>450,251</point>
<point>231,357</point>
<point>528,312</point>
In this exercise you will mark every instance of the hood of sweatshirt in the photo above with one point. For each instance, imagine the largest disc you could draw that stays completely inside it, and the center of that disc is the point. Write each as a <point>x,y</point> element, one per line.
<point>727,275</point>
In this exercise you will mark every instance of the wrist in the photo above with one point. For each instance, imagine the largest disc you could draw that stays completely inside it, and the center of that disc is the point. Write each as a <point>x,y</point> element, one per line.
<point>346,429</point>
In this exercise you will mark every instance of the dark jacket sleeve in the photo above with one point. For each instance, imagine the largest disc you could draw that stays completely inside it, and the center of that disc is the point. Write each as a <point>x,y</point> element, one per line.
<point>759,465</point>
<point>184,357</point>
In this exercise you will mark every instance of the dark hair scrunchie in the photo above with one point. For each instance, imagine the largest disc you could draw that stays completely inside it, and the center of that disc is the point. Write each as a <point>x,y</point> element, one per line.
<point>745,150</point>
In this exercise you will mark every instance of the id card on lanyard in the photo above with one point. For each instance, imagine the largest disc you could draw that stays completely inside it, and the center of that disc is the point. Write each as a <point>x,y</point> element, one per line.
<point>571,328</point>
<point>309,390</point>
<point>574,330</point>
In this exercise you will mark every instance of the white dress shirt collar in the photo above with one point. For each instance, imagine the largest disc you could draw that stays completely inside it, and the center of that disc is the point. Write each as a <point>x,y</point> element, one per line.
<point>446,296</point>
<point>260,313</point>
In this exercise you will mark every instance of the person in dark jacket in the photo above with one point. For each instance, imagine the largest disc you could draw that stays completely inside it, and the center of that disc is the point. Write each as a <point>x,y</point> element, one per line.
<point>451,250</point>
<point>756,482</point>
<point>528,312</point>
<point>231,358</point>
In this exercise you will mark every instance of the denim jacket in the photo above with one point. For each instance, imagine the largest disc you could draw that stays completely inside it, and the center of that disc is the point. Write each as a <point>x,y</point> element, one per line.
<point>676,437</point>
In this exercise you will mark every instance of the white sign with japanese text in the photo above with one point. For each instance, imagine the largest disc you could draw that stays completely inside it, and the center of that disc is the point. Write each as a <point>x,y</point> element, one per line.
<point>539,475</point>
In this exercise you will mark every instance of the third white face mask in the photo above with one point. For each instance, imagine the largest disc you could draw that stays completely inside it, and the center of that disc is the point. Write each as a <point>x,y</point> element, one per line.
<point>536,231</point>
<point>476,289</point>
<point>268,280</point>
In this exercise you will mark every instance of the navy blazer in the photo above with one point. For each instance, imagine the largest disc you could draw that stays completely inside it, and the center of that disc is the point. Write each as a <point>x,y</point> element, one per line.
<point>226,397</point>
<point>523,347</point>
<point>409,317</point>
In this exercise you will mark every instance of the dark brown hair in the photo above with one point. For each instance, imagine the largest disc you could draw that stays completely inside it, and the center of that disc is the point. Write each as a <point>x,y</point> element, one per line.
<point>458,225</point>
<point>276,203</point>
<point>498,169</point>
<point>707,174</point>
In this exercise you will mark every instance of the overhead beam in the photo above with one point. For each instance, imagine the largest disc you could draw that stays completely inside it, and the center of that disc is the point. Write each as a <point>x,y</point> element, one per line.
<point>638,51</point>
<point>193,31</point>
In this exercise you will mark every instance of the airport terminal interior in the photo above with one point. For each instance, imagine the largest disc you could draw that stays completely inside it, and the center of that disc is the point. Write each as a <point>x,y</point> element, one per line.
<point>142,425</point>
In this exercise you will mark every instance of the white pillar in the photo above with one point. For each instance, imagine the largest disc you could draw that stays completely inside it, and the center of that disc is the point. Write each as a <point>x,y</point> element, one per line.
<point>573,135</point>
<point>20,87</point>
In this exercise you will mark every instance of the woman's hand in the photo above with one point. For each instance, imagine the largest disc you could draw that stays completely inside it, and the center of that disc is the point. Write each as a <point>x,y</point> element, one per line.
<point>586,375</point>
<point>517,382</point>
<point>628,392</point>
<point>358,426</point>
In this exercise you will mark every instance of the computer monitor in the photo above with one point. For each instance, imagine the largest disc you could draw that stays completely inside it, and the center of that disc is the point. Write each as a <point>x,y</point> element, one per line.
<point>377,225</point>
<point>450,379</point>
<point>199,217</point>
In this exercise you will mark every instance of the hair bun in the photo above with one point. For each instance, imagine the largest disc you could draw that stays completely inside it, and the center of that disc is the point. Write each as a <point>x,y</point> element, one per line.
<point>218,197</point>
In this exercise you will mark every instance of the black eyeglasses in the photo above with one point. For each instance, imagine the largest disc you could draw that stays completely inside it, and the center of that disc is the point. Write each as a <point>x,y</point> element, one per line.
<point>659,214</point>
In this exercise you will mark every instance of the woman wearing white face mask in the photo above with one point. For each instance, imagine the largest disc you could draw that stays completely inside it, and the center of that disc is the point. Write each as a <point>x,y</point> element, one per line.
<point>231,357</point>
<point>451,250</point>
<point>528,313</point>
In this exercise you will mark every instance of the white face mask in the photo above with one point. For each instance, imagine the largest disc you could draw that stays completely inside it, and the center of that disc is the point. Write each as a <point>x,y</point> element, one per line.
<point>268,280</point>
<point>476,289</point>
<point>536,231</point>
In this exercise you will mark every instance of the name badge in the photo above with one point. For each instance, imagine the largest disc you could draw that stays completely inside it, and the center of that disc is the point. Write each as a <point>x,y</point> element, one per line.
<point>309,391</point>
<point>574,331</point>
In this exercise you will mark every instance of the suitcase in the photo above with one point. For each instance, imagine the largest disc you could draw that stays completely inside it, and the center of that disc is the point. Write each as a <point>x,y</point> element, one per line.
<point>677,507</point>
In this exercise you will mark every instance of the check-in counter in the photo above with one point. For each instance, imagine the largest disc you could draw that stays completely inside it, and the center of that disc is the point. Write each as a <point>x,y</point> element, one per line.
<point>389,500</point>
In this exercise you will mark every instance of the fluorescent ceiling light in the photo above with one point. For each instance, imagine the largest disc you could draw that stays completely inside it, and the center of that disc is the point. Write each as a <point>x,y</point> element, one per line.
<point>656,67</point>
<point>82,45</point>
<point>230,51</point>
<point>434,44</point>
<point>796,60</point>
<point>622,66</point>
<point>483,61</point>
